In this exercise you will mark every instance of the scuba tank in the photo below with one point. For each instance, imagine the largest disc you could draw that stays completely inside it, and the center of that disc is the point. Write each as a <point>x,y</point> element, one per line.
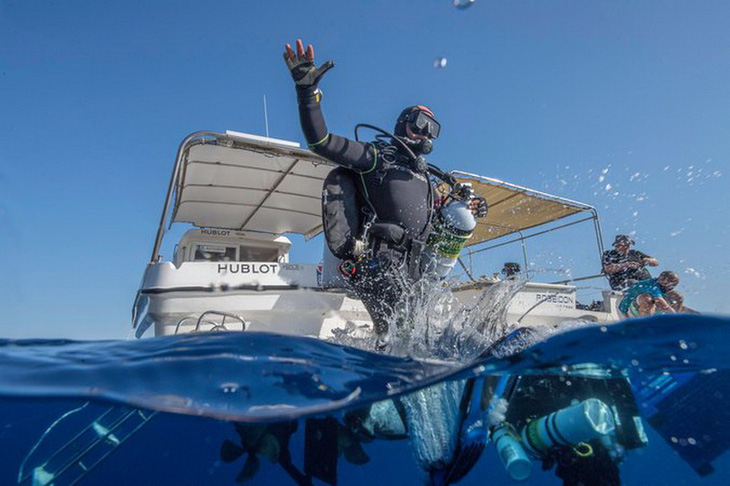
<point>573,426</point>
<point>452,229</point>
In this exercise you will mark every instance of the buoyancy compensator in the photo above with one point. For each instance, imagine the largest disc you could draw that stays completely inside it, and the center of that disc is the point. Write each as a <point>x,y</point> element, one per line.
<point>342,217</point>
<point>346,213</point>
<point>350,219</point>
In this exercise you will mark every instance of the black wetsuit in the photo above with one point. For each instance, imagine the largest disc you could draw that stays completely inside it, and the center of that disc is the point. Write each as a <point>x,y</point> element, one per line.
<point>624,279</point>
<point>398,196</point>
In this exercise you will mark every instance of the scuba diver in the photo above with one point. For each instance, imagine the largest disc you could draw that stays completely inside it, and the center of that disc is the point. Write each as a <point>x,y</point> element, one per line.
<point>581,424</point>
<point>379,205</point>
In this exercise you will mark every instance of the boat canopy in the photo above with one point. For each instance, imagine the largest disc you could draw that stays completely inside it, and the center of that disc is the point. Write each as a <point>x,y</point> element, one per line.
<point>513,208</point>
<point>248,183</point>
<point>244,182</point>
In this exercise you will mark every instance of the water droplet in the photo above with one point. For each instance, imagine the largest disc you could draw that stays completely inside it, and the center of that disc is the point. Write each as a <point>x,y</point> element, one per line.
<point>229,387</point>
<point>440,62</point>
<point>691,441</point>
<point>682,344</point>
<point>463,4</point>
<point>634,362</point>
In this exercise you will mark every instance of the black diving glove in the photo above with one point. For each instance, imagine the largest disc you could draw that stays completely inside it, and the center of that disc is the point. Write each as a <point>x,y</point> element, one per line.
<point>301,66</point>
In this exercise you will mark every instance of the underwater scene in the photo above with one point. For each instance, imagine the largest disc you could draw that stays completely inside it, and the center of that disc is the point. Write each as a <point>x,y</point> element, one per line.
<point>638,402</point>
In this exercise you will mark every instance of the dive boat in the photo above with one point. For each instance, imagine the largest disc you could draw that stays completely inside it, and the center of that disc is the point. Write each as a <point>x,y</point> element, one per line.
<point>241,198</point>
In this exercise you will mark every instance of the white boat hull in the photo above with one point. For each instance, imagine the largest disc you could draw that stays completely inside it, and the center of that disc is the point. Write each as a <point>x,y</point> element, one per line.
<point>298,311</point>
<point>541,304</point>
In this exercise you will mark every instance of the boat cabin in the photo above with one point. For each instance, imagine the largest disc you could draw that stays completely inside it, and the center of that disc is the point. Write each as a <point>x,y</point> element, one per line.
<point>216,245</point>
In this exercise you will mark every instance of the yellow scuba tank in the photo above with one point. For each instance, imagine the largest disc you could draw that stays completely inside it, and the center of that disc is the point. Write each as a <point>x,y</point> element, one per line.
<point>452,229</point>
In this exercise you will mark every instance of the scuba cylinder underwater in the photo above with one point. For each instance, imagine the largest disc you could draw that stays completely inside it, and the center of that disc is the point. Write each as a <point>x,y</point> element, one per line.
<point>572,427</point>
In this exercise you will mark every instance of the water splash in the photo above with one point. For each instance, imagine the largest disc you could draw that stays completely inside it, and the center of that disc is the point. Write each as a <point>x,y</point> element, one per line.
<point>436,321</point>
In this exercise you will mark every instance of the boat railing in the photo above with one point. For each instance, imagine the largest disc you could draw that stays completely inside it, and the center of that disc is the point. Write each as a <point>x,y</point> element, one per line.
<point>215,325</point>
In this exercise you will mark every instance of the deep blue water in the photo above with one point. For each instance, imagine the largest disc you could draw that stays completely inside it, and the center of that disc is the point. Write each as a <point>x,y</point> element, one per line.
<point>264,409</point>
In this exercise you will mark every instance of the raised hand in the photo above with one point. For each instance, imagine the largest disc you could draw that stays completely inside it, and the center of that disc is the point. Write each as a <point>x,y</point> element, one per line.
<point>301,65</point>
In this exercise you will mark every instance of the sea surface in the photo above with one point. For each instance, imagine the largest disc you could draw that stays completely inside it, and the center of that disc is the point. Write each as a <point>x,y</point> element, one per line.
<point>237,408</point>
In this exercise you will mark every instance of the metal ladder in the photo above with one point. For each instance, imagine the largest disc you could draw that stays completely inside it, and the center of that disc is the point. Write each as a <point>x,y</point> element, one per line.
<point>87,449</point>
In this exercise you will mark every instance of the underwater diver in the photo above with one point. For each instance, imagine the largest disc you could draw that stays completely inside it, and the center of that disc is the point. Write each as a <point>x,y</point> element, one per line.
<point>325,440</point>
<point>582,424</point>
<point>379,205</point>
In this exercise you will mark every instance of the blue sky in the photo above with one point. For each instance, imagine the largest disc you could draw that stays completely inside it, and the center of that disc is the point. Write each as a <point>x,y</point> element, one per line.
<point>620,104</point>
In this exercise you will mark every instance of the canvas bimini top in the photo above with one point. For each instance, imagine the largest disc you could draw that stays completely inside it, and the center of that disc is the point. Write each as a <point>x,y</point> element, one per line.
<point>513,208</point>
<point>246,182</point>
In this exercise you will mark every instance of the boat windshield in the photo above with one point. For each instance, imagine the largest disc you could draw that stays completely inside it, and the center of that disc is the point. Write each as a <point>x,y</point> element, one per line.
<point>214,253</point>
<point>259,254</point>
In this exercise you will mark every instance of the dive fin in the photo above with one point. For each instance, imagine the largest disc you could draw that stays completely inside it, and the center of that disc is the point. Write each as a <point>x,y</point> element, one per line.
<point>230,451</point>
<point>321,449</point>
<point>472,437</point>
<point>512,343</point>
<point>250,468</point>
<point>690,412</point>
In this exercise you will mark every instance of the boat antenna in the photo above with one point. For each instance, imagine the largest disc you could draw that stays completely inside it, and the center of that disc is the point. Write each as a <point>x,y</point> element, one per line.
<point>266,118</point>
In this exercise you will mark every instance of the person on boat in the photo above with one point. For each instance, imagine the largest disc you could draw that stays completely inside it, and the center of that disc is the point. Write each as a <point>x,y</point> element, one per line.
<point>625,266</point>
<point>645,297</point>
<point>379,203</point>
<point>676,300</point>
